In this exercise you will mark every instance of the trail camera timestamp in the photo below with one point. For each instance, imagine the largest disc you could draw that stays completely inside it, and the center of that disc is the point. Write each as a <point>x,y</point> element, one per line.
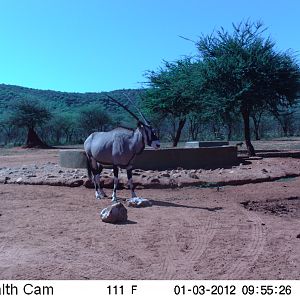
<point>233,290</point>
<point>202,290</point>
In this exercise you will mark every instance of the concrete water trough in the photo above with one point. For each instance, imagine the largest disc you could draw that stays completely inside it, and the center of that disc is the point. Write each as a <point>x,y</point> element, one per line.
<point>168,158</point>
<point>197,144</point>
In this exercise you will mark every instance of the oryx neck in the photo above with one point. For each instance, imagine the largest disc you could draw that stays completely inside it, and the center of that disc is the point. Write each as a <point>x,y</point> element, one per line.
<point>138,141</point>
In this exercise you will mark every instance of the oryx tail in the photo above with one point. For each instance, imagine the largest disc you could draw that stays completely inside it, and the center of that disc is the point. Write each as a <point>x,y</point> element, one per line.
<point>89,167</point>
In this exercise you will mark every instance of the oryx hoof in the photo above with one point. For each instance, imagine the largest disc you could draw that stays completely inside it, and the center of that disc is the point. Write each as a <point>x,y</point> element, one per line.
<point>114,200</point>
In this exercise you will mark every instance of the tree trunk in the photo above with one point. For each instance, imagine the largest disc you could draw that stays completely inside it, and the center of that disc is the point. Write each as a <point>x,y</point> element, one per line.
<point>256,123</point>
<point>256,132</point>
<point>229,131</point>
<point>178,132</point>
<point>256,128</point>
<point>285,127</point>
<point>33,140</point>
<point>246,119</point>
<point>194,125</point>
<point>58,136</point>
<point>229,134</point>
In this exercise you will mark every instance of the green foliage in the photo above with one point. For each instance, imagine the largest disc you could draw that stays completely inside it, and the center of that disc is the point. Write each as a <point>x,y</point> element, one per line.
<point>61,101</point>
<point>238,77</point>
<point>60,128</point>
<point>93,118</point>
<point>64,126</point>
<point>29,114</point>
<point>174,88</point>
<point>242,70</point>
<point>175,92</point>
<point>243,73</point>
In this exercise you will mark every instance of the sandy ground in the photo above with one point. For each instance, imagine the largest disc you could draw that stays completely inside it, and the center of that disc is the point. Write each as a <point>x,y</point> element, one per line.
<point>236,232</point>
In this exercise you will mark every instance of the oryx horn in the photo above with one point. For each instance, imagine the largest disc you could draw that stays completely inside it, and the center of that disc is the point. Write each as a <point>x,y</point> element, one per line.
<point>123,106</point>
<point>142,115</point>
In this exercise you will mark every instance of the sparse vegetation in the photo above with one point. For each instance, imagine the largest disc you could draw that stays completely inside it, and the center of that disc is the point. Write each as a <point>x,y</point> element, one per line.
<point>29,114</point>
<point>238,88</point>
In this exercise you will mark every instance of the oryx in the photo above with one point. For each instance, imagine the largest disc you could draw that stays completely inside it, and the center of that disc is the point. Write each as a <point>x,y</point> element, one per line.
<point>118,148</point>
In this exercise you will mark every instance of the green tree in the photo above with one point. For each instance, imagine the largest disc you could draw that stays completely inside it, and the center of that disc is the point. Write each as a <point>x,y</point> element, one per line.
<point>6,128</point>
<point>256,116</point>
<point>244,72</point>
<point>59,129</point>
<point>173,92</point>
<point>285,118</point>
<point>30,114</point>
<point>93,118</point>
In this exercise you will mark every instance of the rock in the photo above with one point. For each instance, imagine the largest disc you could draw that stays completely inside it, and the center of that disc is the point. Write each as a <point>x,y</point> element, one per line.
<point>193,175</point>
<point>19,180</point>
<point>139,202</point>
<point>165,175</point>
<point>75,183</point>
<point>173,183</point>
<point>4,179</point>
<point>155,180</point>
<point>51,176</point>
<point>177,175</point>
<point>135,173</point>
<point>88,184</point>
<point>114,213</point>
<point>109,182</point>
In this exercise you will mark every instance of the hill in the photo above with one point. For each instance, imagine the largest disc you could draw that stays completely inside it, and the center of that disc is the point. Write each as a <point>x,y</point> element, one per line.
<point>64,101</point>
<point>67,127</point>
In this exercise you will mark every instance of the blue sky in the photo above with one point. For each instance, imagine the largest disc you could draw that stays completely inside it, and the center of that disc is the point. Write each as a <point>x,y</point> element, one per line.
<point>102,45</point>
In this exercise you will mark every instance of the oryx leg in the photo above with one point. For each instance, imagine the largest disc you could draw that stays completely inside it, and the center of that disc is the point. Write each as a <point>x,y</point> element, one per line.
<point>96,170</point>
<point>130,184</point>
<point>116,181</point>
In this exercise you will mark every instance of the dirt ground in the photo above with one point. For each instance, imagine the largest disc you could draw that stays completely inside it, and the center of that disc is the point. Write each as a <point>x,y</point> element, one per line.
<point>249,231</point>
